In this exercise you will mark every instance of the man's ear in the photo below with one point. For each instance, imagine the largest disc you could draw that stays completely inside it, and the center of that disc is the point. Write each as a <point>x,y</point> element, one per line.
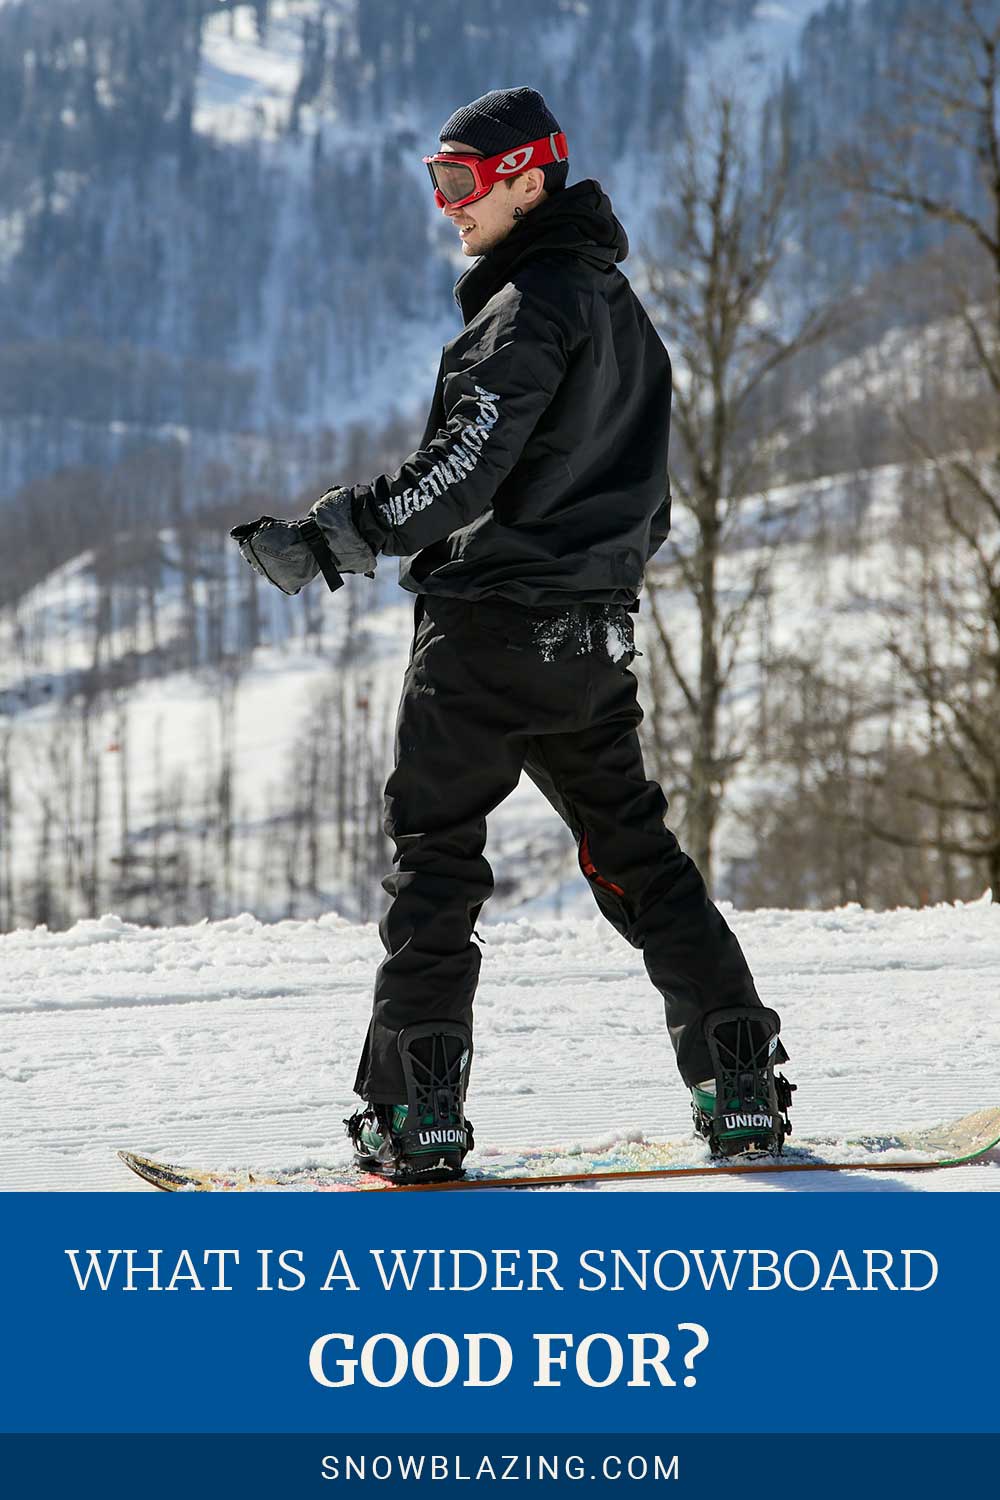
<point>536,183</point>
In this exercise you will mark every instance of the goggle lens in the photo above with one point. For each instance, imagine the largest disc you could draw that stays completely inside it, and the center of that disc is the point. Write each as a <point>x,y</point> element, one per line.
<point>452,180</point>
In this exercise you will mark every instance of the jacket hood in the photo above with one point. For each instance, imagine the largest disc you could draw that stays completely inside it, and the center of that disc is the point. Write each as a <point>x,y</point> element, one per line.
<point>578,220</point>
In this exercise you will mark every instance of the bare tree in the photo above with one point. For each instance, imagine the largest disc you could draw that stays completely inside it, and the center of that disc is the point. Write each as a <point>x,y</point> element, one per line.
<point>228,680</point>
<point>715,298</point>
<point>948,99</point>
<point>7,886</point>
<point>92,755</point>
<point>945,638</point>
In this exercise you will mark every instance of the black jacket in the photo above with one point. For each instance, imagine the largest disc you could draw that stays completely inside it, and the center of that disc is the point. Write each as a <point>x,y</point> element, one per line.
<point>541,476</point>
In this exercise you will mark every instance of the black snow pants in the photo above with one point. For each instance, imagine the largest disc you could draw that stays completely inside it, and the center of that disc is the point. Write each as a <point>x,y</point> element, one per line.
<point>493,689</point>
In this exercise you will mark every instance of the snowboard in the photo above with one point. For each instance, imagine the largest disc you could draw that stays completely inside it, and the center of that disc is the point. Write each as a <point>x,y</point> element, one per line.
<point>949,1145</point>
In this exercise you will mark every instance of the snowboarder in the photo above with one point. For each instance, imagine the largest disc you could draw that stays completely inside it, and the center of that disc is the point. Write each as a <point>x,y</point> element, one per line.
<point>526,518</point>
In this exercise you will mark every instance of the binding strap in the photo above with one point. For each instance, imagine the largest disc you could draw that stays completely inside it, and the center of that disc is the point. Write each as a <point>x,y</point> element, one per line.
<point>312,535</point>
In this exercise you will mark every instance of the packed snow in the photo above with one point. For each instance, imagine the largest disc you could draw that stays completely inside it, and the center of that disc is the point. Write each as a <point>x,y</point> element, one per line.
<point>234,1043</point>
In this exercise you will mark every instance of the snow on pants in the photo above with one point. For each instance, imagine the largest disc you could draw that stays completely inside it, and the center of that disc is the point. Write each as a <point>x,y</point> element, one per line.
<point>493,689</point>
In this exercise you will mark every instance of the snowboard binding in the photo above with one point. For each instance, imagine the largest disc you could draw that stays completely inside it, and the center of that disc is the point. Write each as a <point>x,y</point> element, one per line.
<point>425,1139</point>
<point>749,1116</point>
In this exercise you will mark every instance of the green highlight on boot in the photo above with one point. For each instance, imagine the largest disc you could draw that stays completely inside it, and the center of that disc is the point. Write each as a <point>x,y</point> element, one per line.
<point>703,1099</point>
<point>371,1137</point>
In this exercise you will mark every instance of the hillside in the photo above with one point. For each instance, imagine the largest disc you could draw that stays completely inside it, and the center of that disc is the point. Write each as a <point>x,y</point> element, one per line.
<point>231,771</point>
<point>214,221</point>
<point>223,286</point>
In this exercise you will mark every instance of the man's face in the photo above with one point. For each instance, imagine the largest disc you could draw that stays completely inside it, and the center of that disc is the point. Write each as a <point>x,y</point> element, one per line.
<point>487,221</point>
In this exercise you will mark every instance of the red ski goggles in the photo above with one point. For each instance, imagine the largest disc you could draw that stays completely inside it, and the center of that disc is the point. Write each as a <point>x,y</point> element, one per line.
<point>460,179</point>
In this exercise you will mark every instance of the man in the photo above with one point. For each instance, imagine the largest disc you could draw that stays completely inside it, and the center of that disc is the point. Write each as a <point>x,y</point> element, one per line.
<point>526,518</point>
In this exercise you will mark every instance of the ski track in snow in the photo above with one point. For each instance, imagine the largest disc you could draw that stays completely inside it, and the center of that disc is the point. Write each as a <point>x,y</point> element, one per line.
<point>233,1043</point>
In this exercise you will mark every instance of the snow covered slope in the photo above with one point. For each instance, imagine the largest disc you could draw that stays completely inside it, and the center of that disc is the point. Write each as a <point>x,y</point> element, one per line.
<point>824,605</point>
<point>234,1043</point>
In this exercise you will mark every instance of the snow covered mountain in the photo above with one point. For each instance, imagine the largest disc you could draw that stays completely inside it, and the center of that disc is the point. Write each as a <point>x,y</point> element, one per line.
<point>214,220</point>
<point>223,283</point>
<point>238,763</point>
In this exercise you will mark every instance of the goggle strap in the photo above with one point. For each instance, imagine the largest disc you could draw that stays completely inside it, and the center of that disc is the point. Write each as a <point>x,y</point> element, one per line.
<point>556,143</point>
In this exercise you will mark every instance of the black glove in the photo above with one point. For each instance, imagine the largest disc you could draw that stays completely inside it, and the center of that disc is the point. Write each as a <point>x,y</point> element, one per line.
<point>288,554</point>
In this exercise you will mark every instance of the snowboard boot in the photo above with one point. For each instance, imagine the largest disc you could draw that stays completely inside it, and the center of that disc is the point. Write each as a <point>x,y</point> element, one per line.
<point>743,1111</point>
<point>426,1138</point>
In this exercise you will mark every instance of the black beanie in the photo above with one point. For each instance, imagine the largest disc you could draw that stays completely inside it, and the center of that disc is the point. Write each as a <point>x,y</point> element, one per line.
<point>501,120</point>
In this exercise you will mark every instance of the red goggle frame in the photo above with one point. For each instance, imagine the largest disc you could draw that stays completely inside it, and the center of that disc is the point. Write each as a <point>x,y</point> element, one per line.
<point>462,179</point>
